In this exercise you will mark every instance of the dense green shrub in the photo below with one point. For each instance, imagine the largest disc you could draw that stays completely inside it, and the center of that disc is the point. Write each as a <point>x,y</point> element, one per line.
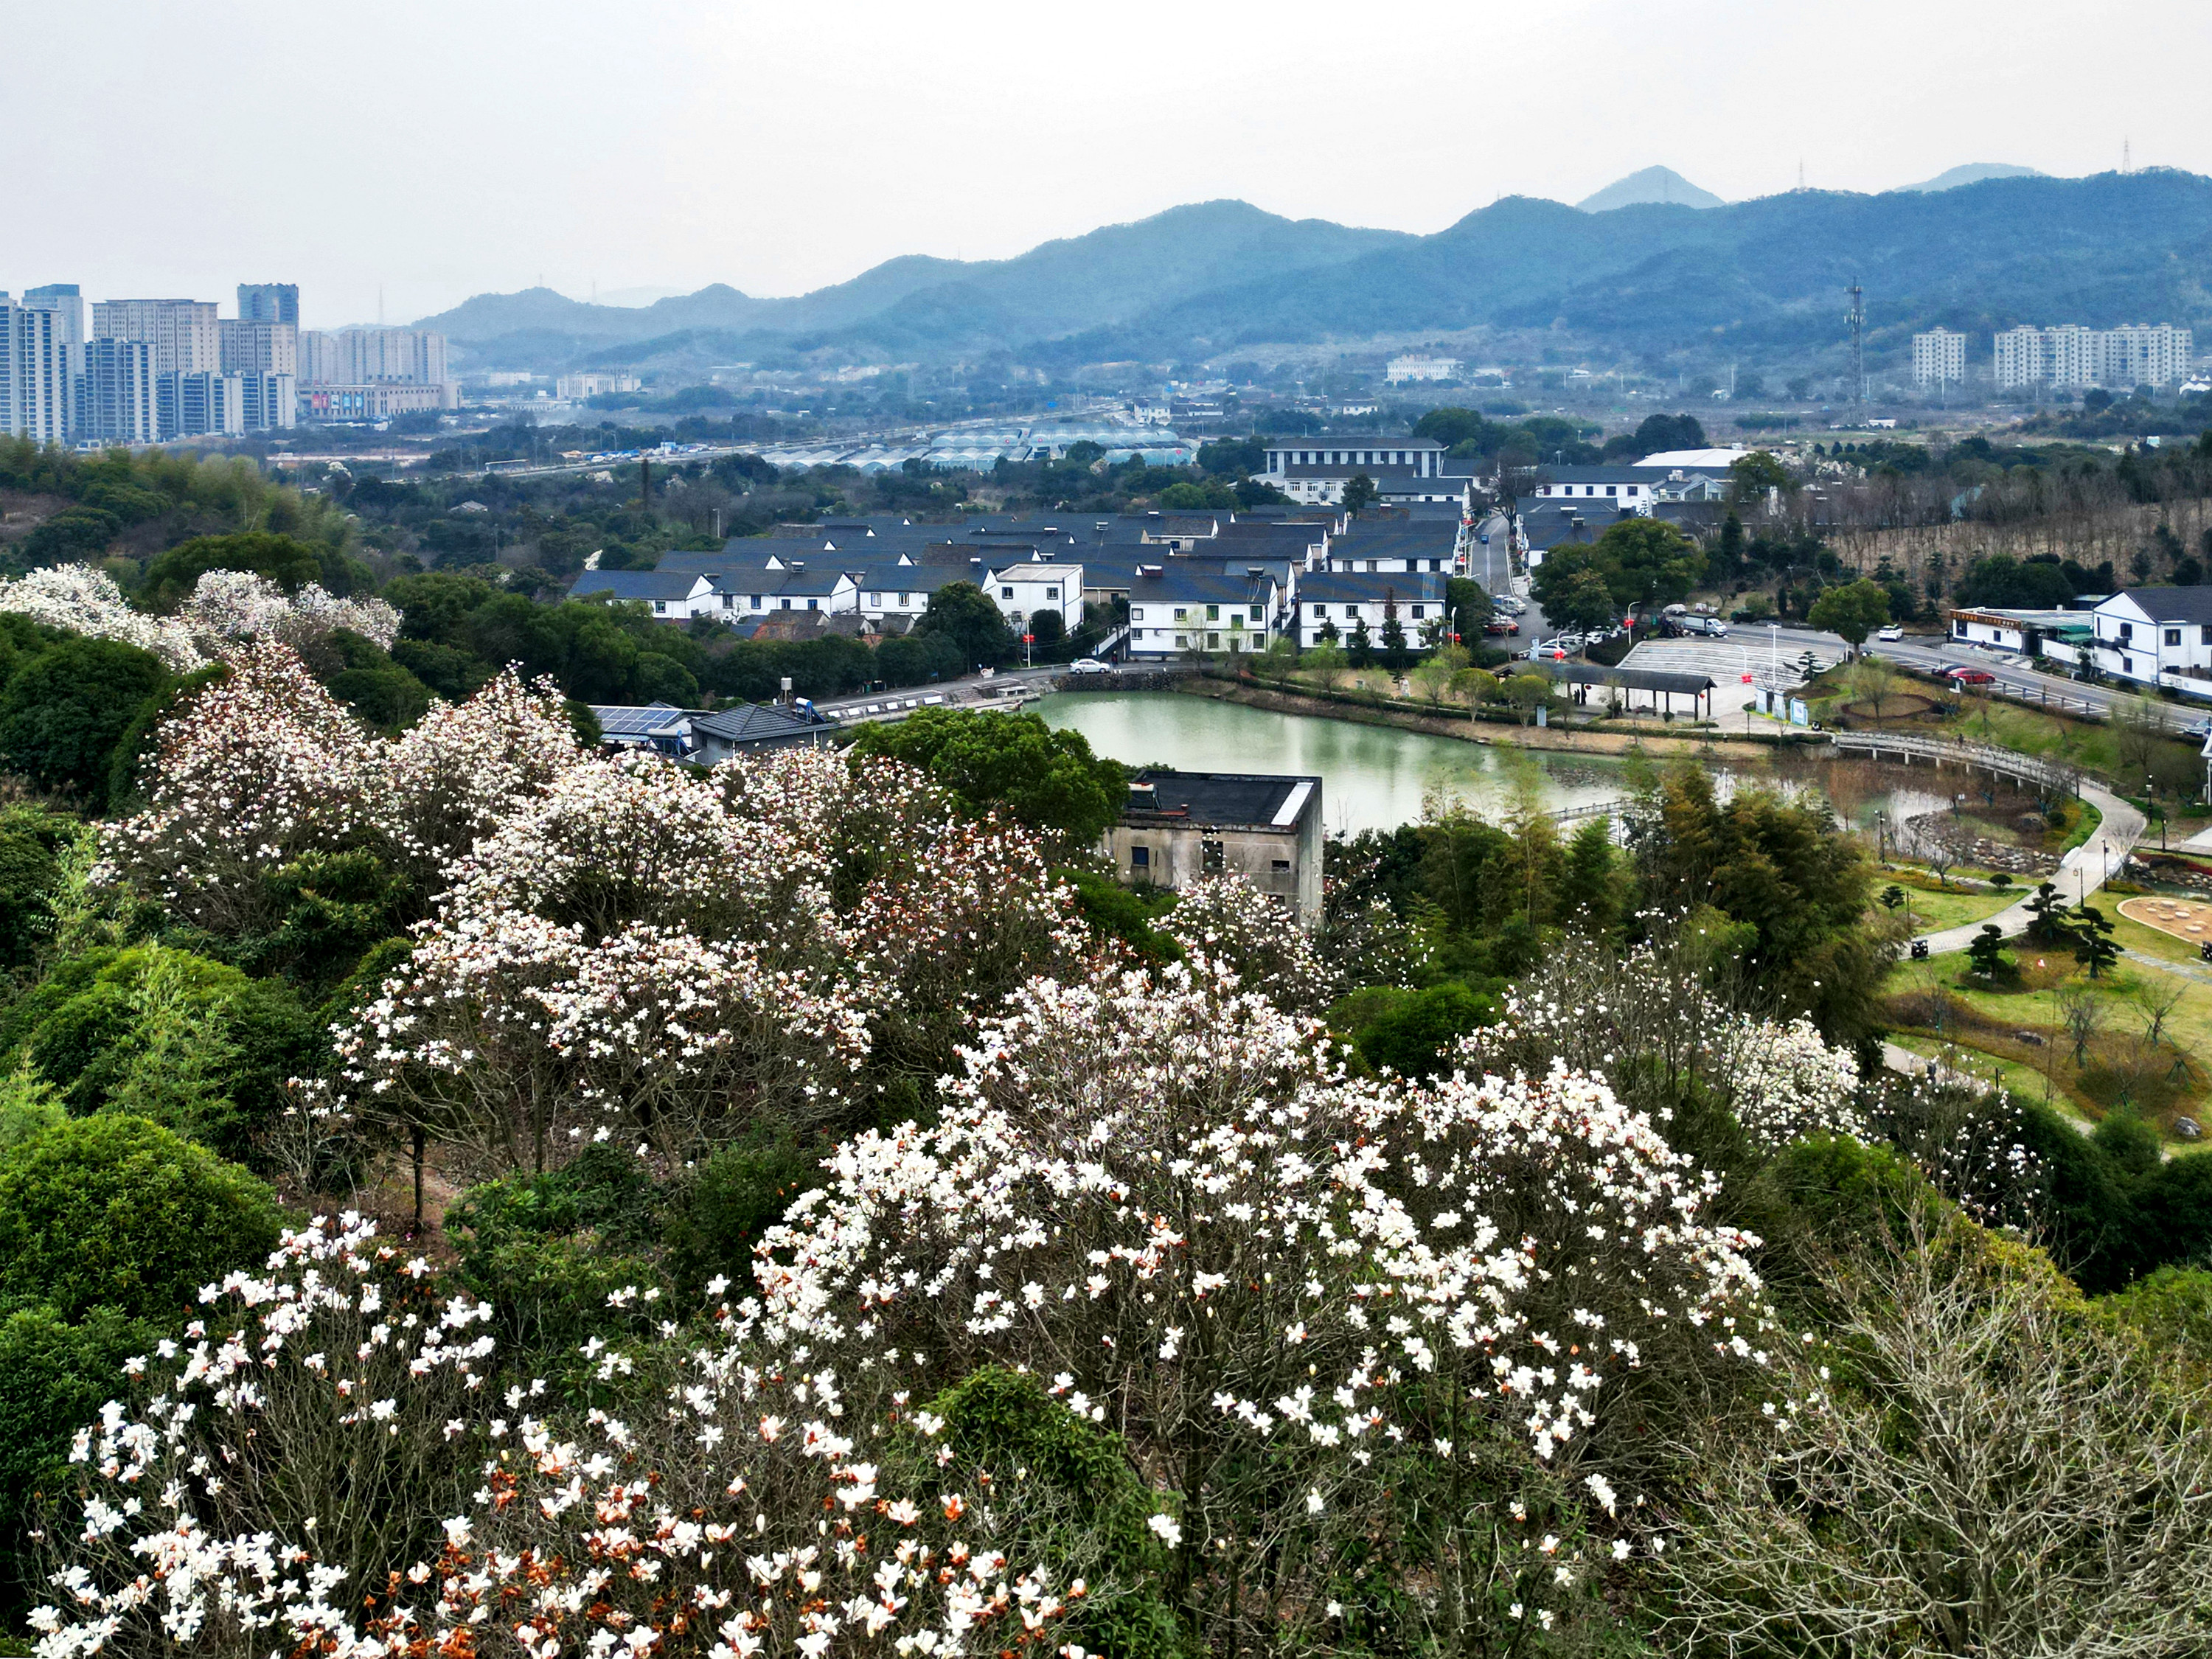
<point>195,1044</point>
<point>115,1211</point>
<point>64,711</point>
<point>1413,1035</point>
<point>1089,1509</point>
<point>31,846</point>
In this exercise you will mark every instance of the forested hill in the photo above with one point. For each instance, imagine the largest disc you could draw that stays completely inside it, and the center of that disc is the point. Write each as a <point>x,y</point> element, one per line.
<point>1768,274</point>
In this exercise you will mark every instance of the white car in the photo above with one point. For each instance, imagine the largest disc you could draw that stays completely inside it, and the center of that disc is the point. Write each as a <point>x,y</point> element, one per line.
<point>1089,665</point>
<point>1891,634</point>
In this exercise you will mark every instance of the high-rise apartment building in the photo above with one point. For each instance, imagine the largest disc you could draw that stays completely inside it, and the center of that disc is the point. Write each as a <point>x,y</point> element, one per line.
<point>65,298</point>
<point>185,335</point>
<point>362,357</point>
<point>37,388</point>
<point>115,401</point>
<point>198,405</point>
<point>270,403</point>
<point>251,347</point>
<point>1939,357</point>
<point>269,302</point>
<point>2072,356</point>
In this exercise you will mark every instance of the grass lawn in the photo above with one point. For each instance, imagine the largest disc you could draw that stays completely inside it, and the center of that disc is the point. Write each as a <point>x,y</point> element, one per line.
<point>1933,912</point>
<point>1936,1002</point>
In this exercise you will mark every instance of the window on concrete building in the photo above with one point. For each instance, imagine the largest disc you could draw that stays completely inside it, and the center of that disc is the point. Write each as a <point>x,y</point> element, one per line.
<point>1140,858</point>
<point>1006,592</point>
<point>1214,613</point>
<point>1213,641</point>
<point>1213,859</point>
<point>2173,636</point>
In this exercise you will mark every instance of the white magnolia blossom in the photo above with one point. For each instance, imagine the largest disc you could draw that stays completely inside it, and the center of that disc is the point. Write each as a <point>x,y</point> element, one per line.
<point>225,608</point>
<point>1230,921</point>
<point>225,1515</point>
<point>1785,1082</point>
<point>238,605</point>
<point>80,600</point>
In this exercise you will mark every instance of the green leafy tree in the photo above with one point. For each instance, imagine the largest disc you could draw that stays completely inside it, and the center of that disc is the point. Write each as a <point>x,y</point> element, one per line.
<point>64,712</point>
<point>1750,478</point>
<point>1581,601</point>
<point>1414,1036</point>
<point>2092,940</point>
<point>1014,764</point>
<point>1986,951</point>
<point>966,615</point>
<point>1851,612</point>
<point>291,563</point>
<point>1359,493</point>
<point>1394,630</point>
<point>1644,562</point>
<point>119,1213</point>
<point>1590,886</point>
<point>1774,866</point>
<point>1360,647</point>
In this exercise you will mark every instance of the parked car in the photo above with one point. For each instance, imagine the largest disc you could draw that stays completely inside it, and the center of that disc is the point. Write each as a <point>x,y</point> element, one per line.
<point>1971,676</point>
<point>1089,665</point>
<point>1891,634</point>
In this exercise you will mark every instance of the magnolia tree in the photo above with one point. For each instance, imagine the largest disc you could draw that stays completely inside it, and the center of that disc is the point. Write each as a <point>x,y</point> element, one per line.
<point>263,766</point>
<point>1230,921</point>
<point>1166,1322</point>
<point>321,1466</point>
<point>1311,1306</point>
<point>1783,1082</point>
<point>637,949</point>
<point>226,608</point>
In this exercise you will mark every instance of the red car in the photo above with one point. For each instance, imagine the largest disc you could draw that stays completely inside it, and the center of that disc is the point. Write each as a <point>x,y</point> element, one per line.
<point>1971,676</point>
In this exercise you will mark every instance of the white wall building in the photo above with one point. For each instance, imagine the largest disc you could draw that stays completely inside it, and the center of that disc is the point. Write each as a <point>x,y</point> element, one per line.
<point>185,334</point>
<point>574,388</point>
<point>1939,357</point>
<point>2157,636</point>
<point>37,388</point>
<point>1421,368</point>
<point>362,357</point>
<point>116,401</point>
<point>2072,356</point>
<point>259,348</point>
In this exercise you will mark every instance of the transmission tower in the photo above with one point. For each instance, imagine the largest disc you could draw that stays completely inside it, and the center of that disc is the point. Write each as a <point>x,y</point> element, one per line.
<point>1857,318</point>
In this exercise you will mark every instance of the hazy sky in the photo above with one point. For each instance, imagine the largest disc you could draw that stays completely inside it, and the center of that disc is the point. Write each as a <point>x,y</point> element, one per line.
<point>430,150</point>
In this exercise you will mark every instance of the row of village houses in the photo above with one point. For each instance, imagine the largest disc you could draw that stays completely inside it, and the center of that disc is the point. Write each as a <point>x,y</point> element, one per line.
<point>2159,638</point>
<point>1226,581</point>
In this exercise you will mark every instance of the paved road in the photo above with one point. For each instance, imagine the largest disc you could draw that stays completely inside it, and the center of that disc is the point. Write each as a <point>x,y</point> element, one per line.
<point>2081,873</point>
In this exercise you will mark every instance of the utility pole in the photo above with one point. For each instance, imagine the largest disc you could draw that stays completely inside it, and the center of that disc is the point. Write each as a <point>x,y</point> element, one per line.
<point>1857,318</point>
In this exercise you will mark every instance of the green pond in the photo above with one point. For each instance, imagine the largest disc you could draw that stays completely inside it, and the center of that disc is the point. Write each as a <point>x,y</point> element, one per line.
<point>1377,777</point>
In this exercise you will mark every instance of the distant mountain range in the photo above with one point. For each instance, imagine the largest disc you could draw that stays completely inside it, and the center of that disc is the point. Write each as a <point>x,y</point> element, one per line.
<point>1656,279</point>
<point>1974,173</point>
<point>1652,185</point>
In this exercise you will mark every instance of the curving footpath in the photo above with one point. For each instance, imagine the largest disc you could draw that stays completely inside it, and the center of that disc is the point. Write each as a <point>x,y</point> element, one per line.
<point>2080,872</point>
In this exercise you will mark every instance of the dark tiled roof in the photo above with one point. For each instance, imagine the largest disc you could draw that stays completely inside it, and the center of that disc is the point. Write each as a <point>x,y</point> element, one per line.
<point>757,722</point>
<point>1220,798</point>
<point>1372,587</point>
<point>637,584</point>
<point>2181,604</point>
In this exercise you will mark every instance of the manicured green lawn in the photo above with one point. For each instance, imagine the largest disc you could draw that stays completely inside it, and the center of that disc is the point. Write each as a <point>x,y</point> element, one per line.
<point>1933,912</point>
